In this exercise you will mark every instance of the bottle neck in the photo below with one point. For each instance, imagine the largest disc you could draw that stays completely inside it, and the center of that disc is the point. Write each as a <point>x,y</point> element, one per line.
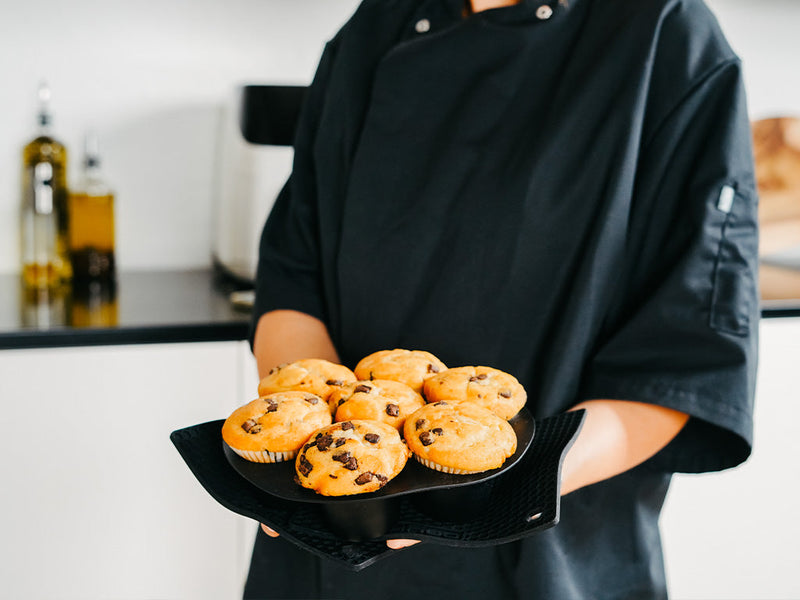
<point>44,121</point>
<point>91,159</point>
<point>44,116</point>
<point>91,167</point>
<point>93,181</point>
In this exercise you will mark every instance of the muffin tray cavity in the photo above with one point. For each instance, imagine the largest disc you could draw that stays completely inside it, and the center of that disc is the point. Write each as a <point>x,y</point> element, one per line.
<point>490,508</point>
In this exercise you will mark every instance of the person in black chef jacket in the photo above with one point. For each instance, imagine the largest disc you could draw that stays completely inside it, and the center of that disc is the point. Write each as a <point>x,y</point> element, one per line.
<point>561,190</point>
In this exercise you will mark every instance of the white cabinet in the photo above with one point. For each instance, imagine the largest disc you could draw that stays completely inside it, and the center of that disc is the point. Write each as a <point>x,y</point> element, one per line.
<point>96,502</point>
<point>734,535</point>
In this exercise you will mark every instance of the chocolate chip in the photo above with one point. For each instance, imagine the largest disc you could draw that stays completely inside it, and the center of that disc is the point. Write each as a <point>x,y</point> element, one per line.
<point>347,425</point>
<point>309,445</point>
<point>319,435</point>
<point>438,431</point>
<point>392,410</point>
<point>251,426</point>
<point>352,464</point>
<point>473,379</point>
<point>311,399</point>
<point>482,376</point>
<point>362,389</point>
<point>339,442</point>
<point>382,478</point>
<point>419,424</point>
<point>433,369</point>
<point>337,382</point>
<point>324,442</point>
<point>372,438</point>
<point>332,476</point>
<point>365,477</point>
<point>505,393</point>
<point>305,467</point>
<point>272,371</point>
<point>342,457</point>
<point>272,406</point>
<point>426,438</point>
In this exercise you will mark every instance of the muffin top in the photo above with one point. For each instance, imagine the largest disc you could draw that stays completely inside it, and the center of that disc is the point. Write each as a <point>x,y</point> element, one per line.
<point>460,435</point>
<point>313,375</point>
<point>490,388</point>
<point>351,457</point>
<point>411,367</point>
<point>279,422</point>
<point>378,400</point>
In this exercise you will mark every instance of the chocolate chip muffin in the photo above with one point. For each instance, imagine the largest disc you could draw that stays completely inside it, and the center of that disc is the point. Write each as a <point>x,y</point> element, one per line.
<point>379,400</point>
<point>351,457</point>
<point>459,437</point>
<point>411,367</point>
<point>313,375</point>
<point>490,388</point>
<point>273,428</point>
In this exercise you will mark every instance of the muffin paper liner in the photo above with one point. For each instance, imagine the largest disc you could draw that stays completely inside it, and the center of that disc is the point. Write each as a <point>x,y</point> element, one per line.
<point>437,467</point>
<point>265,456</point>
<point>525,500</point>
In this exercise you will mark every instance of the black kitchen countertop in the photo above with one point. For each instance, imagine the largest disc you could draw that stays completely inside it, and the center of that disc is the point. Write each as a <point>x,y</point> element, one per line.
<point>146,307</point>
<point>151,307</point>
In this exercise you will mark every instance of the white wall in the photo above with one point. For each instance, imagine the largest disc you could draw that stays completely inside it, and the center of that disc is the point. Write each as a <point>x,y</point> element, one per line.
<point>150,76</point>
<point>765,35</point>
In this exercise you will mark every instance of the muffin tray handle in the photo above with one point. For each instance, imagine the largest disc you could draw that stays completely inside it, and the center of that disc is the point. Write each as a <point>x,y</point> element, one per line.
<point>525,500</point>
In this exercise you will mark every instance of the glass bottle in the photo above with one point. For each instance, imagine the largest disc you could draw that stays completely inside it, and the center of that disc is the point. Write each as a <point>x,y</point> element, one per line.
<point>45,259</point>
<point>91,216</point>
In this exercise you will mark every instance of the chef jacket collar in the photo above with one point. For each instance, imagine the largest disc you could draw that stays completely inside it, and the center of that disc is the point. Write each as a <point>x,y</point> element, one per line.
<point>433,16</point>
<point>525,10</point>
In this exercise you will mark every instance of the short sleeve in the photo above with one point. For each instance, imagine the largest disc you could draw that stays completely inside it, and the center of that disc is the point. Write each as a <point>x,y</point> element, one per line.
<point>288,273</point>
<point>685,332</point>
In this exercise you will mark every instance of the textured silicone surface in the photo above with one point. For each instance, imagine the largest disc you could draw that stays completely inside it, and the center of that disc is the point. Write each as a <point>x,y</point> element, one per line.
<point>524,501</point>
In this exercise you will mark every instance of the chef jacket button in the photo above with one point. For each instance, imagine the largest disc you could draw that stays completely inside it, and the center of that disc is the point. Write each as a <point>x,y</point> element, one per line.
<point>423,26</point>
<point>544,12</point>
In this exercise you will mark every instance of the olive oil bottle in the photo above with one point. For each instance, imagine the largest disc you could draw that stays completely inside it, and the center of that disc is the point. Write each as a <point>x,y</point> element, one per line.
<point>91,217</point>
<point>45,258</point>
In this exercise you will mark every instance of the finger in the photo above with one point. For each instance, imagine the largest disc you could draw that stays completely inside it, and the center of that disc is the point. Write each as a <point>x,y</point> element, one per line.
<point>398,544</point>
<point>269,532</point>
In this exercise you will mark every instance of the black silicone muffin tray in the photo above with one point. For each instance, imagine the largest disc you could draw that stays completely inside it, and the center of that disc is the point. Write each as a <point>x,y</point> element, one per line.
<point>516,503</point>
<point>361,517</point>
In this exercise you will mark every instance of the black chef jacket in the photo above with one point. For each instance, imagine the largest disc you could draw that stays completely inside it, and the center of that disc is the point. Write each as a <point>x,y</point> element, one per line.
<point>565,193</point>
